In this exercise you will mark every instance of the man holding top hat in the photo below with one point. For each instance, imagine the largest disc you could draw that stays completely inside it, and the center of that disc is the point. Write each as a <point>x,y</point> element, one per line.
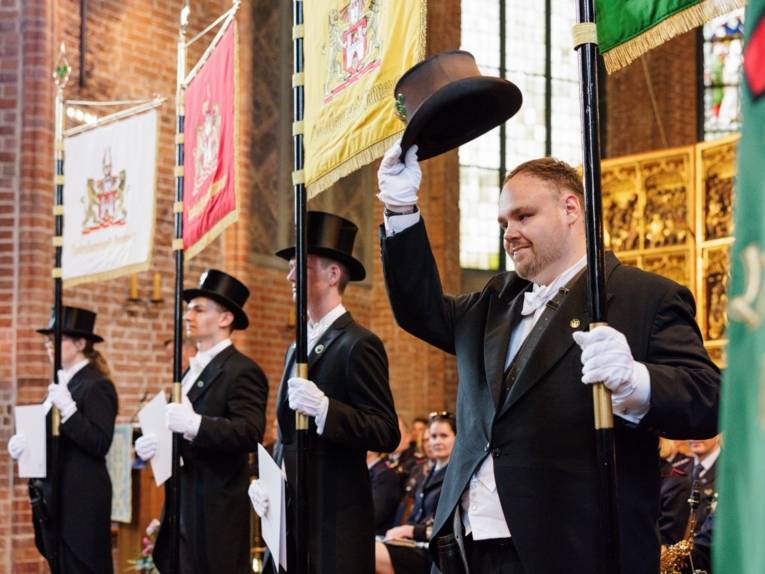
<point>86,398</point>
<point>521,494</point>
<point>222,419</point>
<point>349,401</point>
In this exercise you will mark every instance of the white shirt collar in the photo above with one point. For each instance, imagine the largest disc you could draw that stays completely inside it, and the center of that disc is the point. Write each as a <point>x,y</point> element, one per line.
<point>203,358</point>
<point>710,459</point>
<point>549,291</point>
<point>326,321</point>
<point>66,375</point>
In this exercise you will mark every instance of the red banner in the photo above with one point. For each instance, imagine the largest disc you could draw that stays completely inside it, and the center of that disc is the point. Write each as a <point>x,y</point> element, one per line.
<point>209,193</point>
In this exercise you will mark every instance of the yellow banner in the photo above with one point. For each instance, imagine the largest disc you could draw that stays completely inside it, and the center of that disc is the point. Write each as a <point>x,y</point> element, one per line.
<point>355,52</point>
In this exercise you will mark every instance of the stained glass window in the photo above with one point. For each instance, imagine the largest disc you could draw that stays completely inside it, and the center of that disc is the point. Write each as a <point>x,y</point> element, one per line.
<point>723,46</point>
<point>548,122</point>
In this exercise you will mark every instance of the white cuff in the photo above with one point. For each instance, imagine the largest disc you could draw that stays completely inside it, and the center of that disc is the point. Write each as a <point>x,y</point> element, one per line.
<point>634,404</point>
<point>397,223</point>
<point>321,416</point>
<point>70,410</point>
<point>192,432</point>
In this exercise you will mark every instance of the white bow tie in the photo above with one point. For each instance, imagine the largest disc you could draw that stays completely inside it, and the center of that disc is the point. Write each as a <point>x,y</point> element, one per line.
<point>532,301</point>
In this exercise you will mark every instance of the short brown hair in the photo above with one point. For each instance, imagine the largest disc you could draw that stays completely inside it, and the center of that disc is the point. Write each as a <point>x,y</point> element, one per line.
<point>553,171</point>
<point>345,276</point>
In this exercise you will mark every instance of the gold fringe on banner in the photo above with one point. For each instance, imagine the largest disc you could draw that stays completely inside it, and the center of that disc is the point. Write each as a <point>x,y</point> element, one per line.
<point>376,150</point>
<point>692,17</point>
<point>358,161</point>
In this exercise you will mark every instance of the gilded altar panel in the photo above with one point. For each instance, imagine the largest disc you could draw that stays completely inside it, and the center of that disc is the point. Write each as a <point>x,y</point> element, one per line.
<point>671,212</point>
<point>716,171</point>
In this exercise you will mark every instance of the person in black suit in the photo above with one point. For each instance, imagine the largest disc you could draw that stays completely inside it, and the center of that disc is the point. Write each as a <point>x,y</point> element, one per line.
<point>525,471</point>
<point>385,491</point>
<point>350,404</point>
<point>674,491</point>
<point>222,419</point>
<point>391,557</point>
<point>87,401</point>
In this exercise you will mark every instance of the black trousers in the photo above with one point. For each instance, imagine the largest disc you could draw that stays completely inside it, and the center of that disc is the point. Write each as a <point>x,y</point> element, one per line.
<point>494,556</point>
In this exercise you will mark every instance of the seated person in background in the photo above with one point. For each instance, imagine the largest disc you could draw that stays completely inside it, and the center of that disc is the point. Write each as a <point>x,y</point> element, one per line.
<point>419,430</point>
<point>385,491</point>
<point>702,545</point>
<point>405,457</point>
<point>674,491</point>
<point>416,477</point>
<point>398,553</point>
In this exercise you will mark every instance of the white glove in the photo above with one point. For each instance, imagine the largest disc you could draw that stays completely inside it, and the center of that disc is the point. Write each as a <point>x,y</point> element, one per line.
<point>146,446</point>
<point>399,182</point>
<point>182,418</point>
<point>259,498</point>
<point>607,359</point>
<point>305,396</point>
<point>62,399</point>
<point>16,446</point>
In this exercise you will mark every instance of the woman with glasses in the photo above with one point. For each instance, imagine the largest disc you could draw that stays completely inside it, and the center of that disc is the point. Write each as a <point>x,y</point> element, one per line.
<point>87,401</point>
<point>404,549</point>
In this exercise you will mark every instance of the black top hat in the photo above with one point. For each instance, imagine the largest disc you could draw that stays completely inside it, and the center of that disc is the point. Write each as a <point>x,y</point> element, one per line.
<point>331,236</point>
<point>224,289</point>
<point>75,322</point>
<point>446,102</point>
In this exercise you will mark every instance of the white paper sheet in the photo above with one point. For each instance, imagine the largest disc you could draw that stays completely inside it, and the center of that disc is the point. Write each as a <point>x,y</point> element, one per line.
<point>152,420</point>
<point>30,421</point>
<point>274,523</point>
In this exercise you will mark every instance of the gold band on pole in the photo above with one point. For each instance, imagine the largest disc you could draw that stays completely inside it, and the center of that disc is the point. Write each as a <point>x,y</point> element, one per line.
<point>297,128</point>
<point>58,210</point>
<point>298,79</point>
<point>177,244</point>
<point>57,241</point>
<point>301,420</point>
<point>177,392</point>
<point>298,177</point>
<point>584,33</point>
<point>601,398</point>
<point>180,138</point>
<point>56,273</point>
<point>178,207</point>
<point>298,31</point>
<point>58,180</point>
<point>178,171</point>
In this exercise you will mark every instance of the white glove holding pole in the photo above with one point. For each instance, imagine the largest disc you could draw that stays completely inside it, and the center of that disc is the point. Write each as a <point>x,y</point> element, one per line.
<point>305,397</point>
<point>16,446</point>
<point>146,446</point>
<point>259,498</point>
<point>399,182</point>
<point>607,358</point>
<point>62,399</point>
<point>181,418</point>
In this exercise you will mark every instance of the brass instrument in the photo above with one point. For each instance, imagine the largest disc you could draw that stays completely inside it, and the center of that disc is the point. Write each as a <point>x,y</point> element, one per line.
<point>676,559</point>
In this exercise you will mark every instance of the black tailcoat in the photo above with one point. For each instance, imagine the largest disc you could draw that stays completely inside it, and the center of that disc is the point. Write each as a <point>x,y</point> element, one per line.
<point>350,366</point>
<point>231,395</point>
<point>541,436</point>
<point>85,493</point>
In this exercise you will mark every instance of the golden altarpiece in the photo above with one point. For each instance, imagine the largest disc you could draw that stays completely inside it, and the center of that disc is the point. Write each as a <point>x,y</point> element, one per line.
<point>671,212</point>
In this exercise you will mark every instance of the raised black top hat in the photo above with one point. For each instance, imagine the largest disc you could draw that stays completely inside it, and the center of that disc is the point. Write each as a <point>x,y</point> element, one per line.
<point>75,322</point>
<point>224,289</point>
<point>331,236</point>
<point>446,102</point>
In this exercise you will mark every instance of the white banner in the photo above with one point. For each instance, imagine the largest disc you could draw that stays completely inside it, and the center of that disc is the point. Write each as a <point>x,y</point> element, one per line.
<point>109,194</point>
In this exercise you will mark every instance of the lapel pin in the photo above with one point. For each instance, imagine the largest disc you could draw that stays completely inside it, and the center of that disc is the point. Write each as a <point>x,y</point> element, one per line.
<point>575,323</point>
<point>200,384</point>
<point>319,349</point>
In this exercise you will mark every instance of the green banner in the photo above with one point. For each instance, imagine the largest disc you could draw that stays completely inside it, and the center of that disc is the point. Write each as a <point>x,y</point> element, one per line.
<point>628,29</point>
<point>739,524</point>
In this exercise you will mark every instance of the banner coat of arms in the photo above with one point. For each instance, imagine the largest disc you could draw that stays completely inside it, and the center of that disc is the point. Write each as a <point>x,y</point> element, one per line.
<point>209,187</point>
<point>109,196</point>
<point>355,52</point>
